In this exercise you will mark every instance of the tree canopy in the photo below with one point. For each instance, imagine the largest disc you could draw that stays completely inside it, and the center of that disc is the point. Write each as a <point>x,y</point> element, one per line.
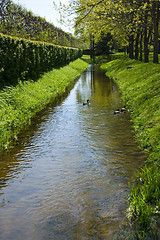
<point>133,23</point>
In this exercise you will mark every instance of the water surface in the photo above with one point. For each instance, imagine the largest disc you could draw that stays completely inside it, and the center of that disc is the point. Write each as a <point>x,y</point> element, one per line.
<point>67,177</point>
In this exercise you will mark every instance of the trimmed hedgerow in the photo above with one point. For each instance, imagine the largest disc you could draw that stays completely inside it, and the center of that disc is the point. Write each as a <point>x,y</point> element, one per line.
<point>23,59</point>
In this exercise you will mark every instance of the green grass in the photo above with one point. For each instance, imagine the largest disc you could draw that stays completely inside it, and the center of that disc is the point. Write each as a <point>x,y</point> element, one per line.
<point>102,58</point>
<point>19,104</point>
<point>140,87</point>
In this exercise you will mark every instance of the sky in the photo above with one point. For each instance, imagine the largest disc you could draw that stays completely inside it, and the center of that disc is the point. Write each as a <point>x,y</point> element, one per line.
<point>44,8</point>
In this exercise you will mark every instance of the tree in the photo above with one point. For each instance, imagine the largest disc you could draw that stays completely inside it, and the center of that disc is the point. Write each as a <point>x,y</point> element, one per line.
<point>17,21</point>
<point>156,19</point>
<point>129,21</point>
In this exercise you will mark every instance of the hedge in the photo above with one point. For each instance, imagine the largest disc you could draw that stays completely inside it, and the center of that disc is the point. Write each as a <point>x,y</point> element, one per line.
<point>24,59</point>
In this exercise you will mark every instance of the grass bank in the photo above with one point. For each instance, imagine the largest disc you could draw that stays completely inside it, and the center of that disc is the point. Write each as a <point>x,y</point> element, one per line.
<point>19,104</point>
<point>140,85</point>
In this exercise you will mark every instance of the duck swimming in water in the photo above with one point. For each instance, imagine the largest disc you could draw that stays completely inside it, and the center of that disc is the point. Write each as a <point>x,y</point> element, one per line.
<point>117,111</point>
<point>123,109</point>
<point>86,103</point>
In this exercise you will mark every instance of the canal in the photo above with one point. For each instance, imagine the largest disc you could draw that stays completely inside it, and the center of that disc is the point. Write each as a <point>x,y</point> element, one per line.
<point>67,177</point>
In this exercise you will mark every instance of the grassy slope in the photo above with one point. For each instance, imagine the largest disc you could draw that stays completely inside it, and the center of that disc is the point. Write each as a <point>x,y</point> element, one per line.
<point>140,87</point>
<point>19,104</point>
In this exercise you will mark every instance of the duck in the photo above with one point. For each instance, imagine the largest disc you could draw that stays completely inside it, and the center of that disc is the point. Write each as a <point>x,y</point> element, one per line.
<point>123,109</point>
<point>117,111</point>
<point>86,103</point>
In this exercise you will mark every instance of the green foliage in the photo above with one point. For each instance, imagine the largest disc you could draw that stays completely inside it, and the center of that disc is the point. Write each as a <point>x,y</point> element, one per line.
<point>140,86</point>
<point>17,21</point>
<point>132,23</point>
<point>104,45</point>
<point>19,104</point>
<point>23,59</point>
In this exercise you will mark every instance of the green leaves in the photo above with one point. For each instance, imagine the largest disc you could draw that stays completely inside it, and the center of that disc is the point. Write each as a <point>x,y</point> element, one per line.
<point>23,59</point>
<point>17,21</point>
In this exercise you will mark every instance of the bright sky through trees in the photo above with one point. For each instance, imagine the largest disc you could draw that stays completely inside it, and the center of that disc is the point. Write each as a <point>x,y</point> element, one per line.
<point>45,8</point>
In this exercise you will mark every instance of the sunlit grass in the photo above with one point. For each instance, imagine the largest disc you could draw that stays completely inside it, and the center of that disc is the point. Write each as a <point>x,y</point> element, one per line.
<point>19,104</point>
<point>145,200</point>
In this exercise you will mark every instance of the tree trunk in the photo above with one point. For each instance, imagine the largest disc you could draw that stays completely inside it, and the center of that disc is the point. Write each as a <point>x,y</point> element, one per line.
<point>137,45</point>
<point>146,52</point>
<point>141,46</point>
<point>156,17</point>
<point>92,47</point>
<point>131,46</point>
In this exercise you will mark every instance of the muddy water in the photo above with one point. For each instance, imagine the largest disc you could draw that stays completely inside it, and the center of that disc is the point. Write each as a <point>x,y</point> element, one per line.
<point>68,176</point>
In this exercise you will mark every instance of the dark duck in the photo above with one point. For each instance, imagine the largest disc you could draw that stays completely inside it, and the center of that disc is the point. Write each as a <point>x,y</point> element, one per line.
<point>123,109</point>
<point>117,111</point>
<point>86,103</point>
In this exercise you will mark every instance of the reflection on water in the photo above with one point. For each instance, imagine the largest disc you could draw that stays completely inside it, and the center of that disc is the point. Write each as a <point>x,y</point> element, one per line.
<point>68,176</point>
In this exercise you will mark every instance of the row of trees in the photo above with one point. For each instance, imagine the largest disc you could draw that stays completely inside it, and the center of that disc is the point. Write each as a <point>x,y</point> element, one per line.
<point>15,20</point>
<point>133,23</point>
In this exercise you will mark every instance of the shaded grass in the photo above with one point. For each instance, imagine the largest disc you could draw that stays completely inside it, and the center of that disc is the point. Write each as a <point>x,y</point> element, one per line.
<point>102,58</point>
<point>140,85</point>
<point>19,104</point>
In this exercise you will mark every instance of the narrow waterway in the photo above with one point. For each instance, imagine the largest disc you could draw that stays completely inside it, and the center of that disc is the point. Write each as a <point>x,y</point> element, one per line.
<point>67,178</point>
